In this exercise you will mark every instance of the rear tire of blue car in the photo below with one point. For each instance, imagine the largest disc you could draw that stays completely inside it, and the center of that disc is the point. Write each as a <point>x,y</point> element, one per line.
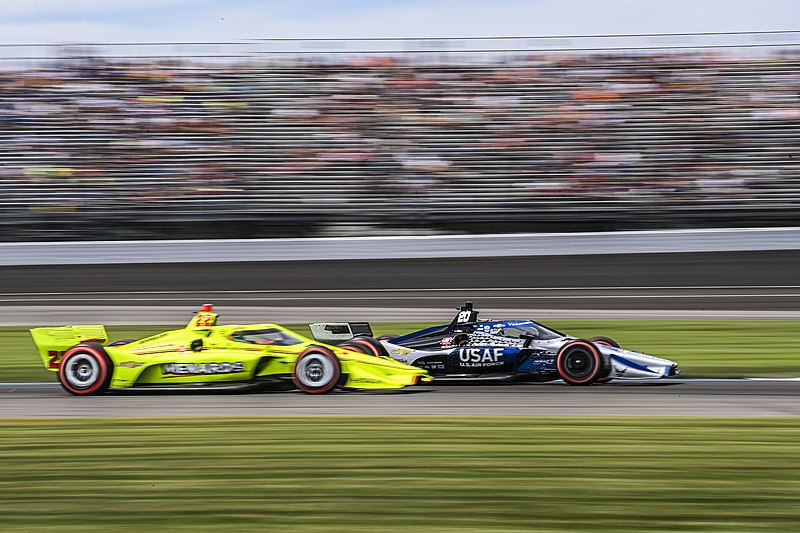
<point>85,369</point>
<point>366,345</point>
<point>579,362</point>
<point>316,371</point>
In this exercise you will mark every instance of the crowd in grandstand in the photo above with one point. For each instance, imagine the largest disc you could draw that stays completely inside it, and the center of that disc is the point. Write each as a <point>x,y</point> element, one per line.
<point>389,135</point>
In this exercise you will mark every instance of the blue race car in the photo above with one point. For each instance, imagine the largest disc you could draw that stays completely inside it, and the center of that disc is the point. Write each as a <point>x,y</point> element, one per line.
<point>511,350</point>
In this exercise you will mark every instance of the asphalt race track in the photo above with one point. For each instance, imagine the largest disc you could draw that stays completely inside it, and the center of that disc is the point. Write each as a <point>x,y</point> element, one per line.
<point>673,397</point>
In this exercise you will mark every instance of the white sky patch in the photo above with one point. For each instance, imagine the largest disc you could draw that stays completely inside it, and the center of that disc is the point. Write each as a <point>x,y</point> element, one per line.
<point>56,21</point>
<point>58,8</point>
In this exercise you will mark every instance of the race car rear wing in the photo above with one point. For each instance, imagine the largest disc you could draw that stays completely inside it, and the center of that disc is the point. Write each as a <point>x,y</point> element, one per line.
<point>465,318</point>
<point>339,331</point>
<point>51,343</point>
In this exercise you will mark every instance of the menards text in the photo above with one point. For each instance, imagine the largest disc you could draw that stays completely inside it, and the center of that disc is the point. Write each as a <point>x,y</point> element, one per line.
<point>202,368</point>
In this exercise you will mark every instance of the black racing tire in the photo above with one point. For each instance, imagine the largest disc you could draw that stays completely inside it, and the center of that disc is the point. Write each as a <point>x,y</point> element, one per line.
<point>121,342</point>
<point>388,337</point>
<point>85,369</point>
<point>316,371</point>
<point>579,362</point>
<point>366,345</point>
<point>460,339</point>
<point>608,341</point>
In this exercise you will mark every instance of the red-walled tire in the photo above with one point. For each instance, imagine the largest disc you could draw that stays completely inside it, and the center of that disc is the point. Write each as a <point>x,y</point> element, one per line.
<point>85,369</point>
<point>606,341</point>
<point>579,362</point>
<point>366,345</point>
<point>316,371</point>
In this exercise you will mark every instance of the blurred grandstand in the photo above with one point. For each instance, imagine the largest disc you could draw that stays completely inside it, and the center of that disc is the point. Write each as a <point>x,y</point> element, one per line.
<point>103,144</point>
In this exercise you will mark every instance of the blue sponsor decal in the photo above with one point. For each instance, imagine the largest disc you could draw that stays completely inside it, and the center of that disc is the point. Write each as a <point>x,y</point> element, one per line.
<point>505,324</point>
<point>538,363</point>
<point>482,356</point>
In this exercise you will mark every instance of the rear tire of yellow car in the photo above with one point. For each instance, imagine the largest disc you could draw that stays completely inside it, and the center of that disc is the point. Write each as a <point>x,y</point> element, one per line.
<point>316,371</point>
<point>85,369</point>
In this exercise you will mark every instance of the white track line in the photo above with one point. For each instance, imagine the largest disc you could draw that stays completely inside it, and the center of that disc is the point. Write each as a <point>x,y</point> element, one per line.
<point>654,380</point>
<point>283,313</point>
<point>416,297</point>
<point>338,240</point>
<point>408,289</point>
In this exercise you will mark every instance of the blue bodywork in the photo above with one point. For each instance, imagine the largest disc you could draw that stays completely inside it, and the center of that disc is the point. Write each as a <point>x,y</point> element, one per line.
<point>510,349</point>
<point>489,358</point>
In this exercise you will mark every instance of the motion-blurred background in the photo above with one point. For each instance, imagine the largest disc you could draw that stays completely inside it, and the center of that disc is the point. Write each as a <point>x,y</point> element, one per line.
<point>604,115</point>
<point>267,138</point>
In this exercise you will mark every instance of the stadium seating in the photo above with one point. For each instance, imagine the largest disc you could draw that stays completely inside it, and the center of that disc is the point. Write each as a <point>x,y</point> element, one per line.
<point>127,148</point>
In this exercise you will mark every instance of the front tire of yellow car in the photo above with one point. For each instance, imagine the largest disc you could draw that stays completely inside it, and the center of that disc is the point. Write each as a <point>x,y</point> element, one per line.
<point>316,371</point>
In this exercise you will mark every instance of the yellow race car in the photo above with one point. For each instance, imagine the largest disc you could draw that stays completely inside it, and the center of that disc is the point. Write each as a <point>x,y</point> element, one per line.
<point>204,354</point>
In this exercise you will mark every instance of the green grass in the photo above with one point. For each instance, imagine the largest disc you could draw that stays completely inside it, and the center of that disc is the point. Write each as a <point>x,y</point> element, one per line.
<point>703,348</point>
<point>395,474</point>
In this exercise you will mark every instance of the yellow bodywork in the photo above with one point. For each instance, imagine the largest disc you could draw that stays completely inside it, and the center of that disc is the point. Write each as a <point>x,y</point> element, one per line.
<point>204,352</point>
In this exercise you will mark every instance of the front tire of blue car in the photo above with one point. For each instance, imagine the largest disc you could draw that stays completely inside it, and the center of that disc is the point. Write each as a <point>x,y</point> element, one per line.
<point>579,362</point>
<point>605,377</point>
<point>316,371</point>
